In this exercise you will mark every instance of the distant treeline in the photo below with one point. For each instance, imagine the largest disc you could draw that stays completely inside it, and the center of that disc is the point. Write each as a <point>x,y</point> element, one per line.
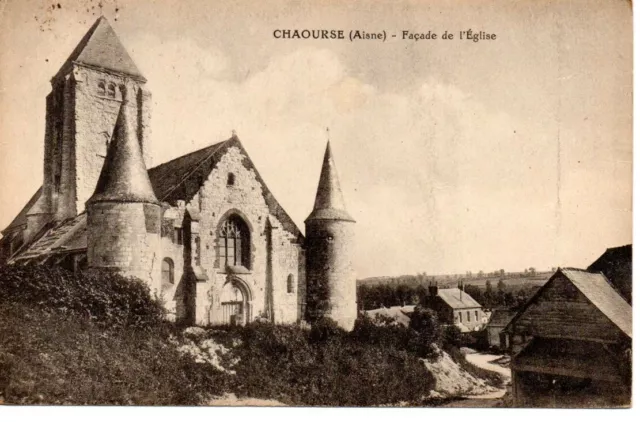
<point>492,295</point>
<point>452,279</point>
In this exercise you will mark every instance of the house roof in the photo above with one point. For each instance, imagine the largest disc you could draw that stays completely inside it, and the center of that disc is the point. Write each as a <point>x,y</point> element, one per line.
<point>400,313</point>
<point>597,289</point>
<point>124,177</point>
<point>500,318</point>
<point>457,299</point>
<point>101,47</point>
<point>329,203</point>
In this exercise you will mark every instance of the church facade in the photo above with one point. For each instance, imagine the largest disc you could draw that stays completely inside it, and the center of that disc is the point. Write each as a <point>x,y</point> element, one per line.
<point>202,230</point>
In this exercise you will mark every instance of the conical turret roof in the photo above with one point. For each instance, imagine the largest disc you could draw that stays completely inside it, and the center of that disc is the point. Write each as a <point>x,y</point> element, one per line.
<point>124,177</point>
<point>101,47</point>
<point>329,203</point>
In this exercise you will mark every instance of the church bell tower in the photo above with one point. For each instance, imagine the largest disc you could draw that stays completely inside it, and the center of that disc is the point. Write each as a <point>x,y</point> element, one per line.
<point>81,113</point>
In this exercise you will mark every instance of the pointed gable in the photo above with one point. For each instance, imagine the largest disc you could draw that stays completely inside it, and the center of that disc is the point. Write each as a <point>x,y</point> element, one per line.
<point>575,304</point>
<point>329,204</point>
<point>182,177</point>
<point>101,48</point>
<point>124,177</point>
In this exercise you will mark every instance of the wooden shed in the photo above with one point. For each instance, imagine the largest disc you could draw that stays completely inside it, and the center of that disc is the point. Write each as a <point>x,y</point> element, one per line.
<point>571,344</point>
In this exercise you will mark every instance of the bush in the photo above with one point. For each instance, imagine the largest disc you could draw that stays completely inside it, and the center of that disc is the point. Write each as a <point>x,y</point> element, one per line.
<point>104,297</point>
<point>324,366</point>
<point>57,357</point>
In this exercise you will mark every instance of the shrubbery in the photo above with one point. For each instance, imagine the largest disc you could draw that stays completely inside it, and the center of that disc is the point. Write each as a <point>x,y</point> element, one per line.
<point>104,297</point>
<point>325,366</point>
<point>94,338</point>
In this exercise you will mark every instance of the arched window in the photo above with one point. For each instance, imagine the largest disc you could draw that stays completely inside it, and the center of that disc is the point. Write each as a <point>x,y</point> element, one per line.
<point>167,271</point>
<point>290,283</point>
<point>231,179</point>
<point>233,243</point>
<point>101,88</point>
<point>111,90</point>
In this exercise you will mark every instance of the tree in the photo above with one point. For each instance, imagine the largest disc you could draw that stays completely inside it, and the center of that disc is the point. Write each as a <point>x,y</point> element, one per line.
<point>501,285</point>
<point>502,272</point>
<point>488,294</point>
<point>532,271</point>
<point>425,322</point>
<point>480,274</point>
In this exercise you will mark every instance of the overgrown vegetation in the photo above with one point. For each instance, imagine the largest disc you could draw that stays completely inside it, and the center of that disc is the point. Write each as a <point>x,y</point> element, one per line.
<point>100,338</point>
<point>325,366</point>
<point>90,339</point>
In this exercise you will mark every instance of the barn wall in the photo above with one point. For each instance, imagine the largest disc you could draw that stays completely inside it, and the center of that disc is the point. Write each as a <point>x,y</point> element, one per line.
<point>561,310</point>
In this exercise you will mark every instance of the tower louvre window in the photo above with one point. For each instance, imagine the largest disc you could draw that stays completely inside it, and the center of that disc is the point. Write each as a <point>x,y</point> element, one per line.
<point>101,88</point>
<point>231,179</point>
<point>111,90</point>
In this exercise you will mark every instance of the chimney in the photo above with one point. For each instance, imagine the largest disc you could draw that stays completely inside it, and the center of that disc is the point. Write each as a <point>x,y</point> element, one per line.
<point>433,290</point>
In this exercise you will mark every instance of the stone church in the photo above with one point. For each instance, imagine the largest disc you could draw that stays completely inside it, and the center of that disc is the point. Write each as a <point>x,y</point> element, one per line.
<point>202,230</point>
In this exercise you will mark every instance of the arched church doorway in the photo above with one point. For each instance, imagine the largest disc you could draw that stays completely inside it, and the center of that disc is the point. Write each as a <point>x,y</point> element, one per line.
<point>235,301</point>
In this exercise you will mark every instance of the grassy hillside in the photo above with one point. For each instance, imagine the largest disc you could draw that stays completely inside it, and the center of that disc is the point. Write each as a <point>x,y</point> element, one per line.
<point>101,339</point>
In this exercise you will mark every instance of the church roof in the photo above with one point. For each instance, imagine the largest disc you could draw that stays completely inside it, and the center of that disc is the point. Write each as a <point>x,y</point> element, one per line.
<point>101,47</point>
<point>329,204</point>
<point>178,179</point>
<point>181,178</point>
<point>124,177</point>
<point>21,218</point>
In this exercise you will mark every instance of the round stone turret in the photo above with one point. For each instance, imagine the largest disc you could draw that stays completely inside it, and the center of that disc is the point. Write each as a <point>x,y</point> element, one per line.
<point>331,281</point>
<point>123,214</point>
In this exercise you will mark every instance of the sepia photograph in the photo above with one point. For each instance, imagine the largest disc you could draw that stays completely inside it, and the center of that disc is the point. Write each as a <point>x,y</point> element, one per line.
<point>330,203</point>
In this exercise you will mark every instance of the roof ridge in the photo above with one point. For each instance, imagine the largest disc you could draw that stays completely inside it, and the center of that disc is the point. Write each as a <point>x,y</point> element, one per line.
<point>197,166</point>
<point>190,153</point>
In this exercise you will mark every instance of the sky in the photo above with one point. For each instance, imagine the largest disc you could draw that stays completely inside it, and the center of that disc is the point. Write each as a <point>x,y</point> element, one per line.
<point>453,156</point>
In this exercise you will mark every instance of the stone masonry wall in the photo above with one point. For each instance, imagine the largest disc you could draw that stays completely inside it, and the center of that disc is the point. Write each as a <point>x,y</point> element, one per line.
<point>331,279</point>
<point>209,208</point>
<point>95,113</point>
<point>118,238</point>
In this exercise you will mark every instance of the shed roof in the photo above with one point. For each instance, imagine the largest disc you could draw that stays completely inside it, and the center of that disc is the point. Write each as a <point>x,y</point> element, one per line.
<point>599,291</point>
<point>457,299</point>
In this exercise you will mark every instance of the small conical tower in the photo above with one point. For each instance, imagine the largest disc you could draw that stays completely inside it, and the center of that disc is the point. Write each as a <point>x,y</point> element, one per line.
<point>331,282</point>
<point>123,214</point>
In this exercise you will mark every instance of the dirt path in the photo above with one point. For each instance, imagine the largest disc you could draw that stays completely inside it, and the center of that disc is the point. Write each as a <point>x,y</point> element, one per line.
<point>232,400</point>
<point>483,360</point>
